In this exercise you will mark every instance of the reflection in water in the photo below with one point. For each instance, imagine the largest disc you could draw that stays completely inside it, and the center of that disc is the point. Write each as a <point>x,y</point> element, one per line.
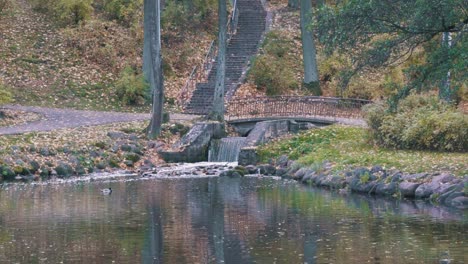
<point>220,220</point>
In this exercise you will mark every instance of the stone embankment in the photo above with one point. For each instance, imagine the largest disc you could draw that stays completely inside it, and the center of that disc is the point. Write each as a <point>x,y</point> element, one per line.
<point>439,188</point>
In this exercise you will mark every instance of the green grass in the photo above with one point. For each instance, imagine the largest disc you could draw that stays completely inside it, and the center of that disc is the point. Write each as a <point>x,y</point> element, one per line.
<point>346,147</point>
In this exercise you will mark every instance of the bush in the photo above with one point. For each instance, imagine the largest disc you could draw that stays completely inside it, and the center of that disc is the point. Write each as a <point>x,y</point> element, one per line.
<point>67,11</point>
<point>271,70</point>
<point>131,87</point>
<point>124,11</point>
<point>421,123</point>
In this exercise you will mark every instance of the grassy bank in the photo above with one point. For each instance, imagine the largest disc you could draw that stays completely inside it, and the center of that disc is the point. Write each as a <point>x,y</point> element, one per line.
<point>346,147</point>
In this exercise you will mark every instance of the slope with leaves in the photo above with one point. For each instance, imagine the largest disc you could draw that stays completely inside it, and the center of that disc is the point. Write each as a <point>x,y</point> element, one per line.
<point>77,66</point>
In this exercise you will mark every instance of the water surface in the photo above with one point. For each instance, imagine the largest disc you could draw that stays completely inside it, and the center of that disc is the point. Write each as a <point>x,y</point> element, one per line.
<point>216,220</point>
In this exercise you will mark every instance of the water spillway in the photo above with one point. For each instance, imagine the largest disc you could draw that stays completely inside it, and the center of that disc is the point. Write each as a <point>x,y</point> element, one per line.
<point>225,149</point>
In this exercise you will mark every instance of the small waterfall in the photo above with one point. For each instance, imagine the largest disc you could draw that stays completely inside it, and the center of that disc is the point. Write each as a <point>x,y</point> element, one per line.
<point>225,149</point>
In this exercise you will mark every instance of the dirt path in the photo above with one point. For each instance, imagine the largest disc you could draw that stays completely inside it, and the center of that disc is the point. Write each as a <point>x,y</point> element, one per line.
<point>54,118</point>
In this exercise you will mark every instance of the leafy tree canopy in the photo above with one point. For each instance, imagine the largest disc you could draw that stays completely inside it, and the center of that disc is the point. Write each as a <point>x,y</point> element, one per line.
<point>379,33</point>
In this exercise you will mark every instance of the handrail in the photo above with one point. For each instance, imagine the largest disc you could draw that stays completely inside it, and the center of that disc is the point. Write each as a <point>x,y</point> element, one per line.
<point>294,106</point>
<point>200,75</point>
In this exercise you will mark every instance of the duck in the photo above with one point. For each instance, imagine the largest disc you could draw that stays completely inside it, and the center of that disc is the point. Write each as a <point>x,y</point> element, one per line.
<point>106,191</point>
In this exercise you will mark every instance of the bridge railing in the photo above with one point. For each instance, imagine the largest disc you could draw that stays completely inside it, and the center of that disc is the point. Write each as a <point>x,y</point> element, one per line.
<point>294,106</point>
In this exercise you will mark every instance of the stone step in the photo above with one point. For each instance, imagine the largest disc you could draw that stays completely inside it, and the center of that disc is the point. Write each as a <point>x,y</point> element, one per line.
<point>242,46</point>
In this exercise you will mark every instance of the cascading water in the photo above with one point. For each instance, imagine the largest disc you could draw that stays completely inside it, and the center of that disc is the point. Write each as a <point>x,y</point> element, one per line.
<point>225,149</point>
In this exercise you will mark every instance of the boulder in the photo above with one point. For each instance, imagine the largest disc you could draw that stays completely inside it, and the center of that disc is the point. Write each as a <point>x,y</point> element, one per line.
<point>267,169</point>
<point>64,170</point>
<point>460,202</point>
<point>387,189</point>
<point>408,189</point>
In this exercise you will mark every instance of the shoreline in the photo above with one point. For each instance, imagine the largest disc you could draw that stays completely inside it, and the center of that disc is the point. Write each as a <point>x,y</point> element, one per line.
<point>438,188</point>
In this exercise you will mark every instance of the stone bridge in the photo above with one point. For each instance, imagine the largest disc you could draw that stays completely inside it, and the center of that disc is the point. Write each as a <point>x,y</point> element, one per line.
<point>315,109</point>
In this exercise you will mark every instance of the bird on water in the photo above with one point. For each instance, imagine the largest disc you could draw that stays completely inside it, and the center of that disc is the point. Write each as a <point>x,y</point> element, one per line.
<point>106,191</point>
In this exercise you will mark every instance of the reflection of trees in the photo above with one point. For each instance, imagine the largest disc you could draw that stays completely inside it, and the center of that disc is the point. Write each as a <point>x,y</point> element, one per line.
<point>214,220</point>
<point>153,246</point>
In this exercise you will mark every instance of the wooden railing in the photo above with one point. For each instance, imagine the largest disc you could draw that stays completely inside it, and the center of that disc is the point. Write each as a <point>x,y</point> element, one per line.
<point>200,72</point>
<point>330,108</point>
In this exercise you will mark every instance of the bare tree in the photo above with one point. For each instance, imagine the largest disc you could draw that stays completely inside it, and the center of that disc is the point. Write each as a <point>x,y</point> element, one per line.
<point>311,80</point>
<point>217,112</point>
<point>152,63</point>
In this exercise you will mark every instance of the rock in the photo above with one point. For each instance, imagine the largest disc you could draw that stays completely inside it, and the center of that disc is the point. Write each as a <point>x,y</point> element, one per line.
<point>251,169</point>
<point>425,190</point>
<point>248,156</point>
<point>443,178</point>
<point>126,147</point>
<point>282,161</point>
<point>460,202</point>
<point>267,169</point>
<point>101,165</point>
<point>306,178</point>
<point>396,177</point>
<point>407,189</point>
<point>449,197</point>
<point>377,169</point>
<point>281,172</point>
<point>300,173</point>
<point>64,170</point>
<point>386,188</point>
<point>357,173</point>
<point>332,181</point>
<point>116,135</point>
<point>230,174</point>
<point>357,186</point>
<point>415,177</point>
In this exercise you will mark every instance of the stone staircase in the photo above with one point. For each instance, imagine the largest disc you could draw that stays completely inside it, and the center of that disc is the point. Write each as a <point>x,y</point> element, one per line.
<point>242,46</point>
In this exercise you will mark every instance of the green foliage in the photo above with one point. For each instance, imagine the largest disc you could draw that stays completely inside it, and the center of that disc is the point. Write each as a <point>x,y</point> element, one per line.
<point>271,70</point>
<point>131,87</point>
<point>345,147</point>
<point>124,11</point>
<point>365,178</point>
<point>5,94</point>
<point>384,33</point>
<point>66,11</point>
<point>188,13</point>
<point>422,123</point>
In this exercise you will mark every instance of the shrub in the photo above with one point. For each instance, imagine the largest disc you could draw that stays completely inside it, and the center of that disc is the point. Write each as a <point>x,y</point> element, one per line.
<point>131,87</point>
<point>422,123</point>
<point>67,11</point>
<point>124,11</point>
<point>271,70</point>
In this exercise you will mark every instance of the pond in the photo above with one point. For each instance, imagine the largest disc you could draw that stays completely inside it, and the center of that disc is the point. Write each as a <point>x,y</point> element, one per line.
<point>220,220</point>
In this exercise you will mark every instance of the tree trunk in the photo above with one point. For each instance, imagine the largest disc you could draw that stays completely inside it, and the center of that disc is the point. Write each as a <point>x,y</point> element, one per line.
<point>293,4</point>
<point>152,63</point>
<point>445,92</point>
<point>217,112</point>
<point>311,80</point>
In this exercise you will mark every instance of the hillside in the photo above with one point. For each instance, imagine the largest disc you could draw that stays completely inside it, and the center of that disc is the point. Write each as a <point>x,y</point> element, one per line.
<point>46,63</point>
